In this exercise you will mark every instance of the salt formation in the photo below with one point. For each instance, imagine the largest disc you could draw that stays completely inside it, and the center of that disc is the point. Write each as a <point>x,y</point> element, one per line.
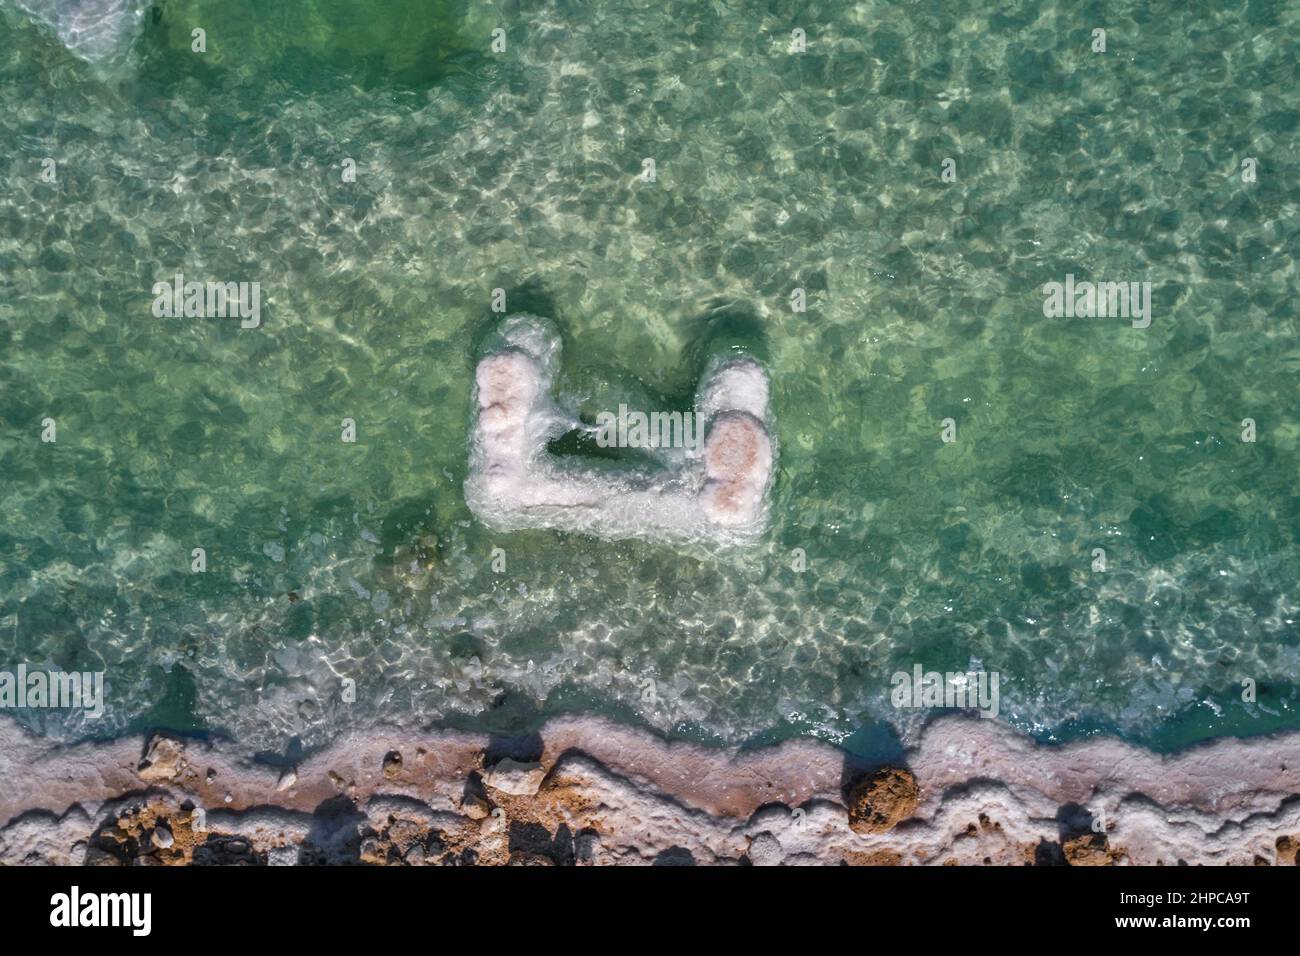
<point>717,493</point>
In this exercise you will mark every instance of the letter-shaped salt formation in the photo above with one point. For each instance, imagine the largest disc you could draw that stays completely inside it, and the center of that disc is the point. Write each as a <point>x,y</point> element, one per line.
<point>717,493</point>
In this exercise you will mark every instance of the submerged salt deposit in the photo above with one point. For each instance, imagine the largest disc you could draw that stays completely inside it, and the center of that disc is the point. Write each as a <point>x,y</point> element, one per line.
<point>717,493</point>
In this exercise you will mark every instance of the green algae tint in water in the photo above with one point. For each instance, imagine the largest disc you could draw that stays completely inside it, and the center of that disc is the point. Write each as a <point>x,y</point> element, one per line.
<point>520,170</point>
<point>308,44</point>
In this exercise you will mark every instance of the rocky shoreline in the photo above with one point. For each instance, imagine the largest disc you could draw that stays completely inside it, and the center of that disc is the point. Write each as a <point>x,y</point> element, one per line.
<point>587,791</point>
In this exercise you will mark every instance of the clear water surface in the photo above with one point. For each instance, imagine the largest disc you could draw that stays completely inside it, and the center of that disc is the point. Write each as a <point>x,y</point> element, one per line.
<point>520,170</point>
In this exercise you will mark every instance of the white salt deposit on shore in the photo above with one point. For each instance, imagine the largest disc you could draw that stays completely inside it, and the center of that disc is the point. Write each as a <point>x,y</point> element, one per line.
<point>971,792</point>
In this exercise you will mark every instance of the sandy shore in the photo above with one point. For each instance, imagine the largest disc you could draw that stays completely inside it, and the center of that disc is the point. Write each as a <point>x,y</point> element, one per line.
<point>588,791</point>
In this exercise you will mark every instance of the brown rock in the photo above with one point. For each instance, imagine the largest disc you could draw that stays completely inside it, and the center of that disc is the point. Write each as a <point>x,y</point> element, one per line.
<point>880,858</point>
<point>374,852</point>
<point>530,859</point>
<point>1288,851</point>
<point>392,764</point>
<point>475,807</point>
<point>515,778</point>
<point>153,833</point>
<point>881,800</point>
<point>163,759</point>
<point>1089,849</point>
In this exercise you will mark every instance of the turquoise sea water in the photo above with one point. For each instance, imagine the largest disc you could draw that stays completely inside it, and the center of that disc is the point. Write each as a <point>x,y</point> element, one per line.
<point>520,170</point>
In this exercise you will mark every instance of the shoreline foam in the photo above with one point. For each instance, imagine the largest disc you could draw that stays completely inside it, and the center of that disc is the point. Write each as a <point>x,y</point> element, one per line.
<point>590,791</point>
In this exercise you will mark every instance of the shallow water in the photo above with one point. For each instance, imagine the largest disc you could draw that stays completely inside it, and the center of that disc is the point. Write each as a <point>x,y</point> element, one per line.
<point>520,170</point>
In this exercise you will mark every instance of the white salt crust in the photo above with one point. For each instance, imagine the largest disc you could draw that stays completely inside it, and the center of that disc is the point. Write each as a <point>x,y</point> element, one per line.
<point>984,794</point>
<point>717,496</point>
